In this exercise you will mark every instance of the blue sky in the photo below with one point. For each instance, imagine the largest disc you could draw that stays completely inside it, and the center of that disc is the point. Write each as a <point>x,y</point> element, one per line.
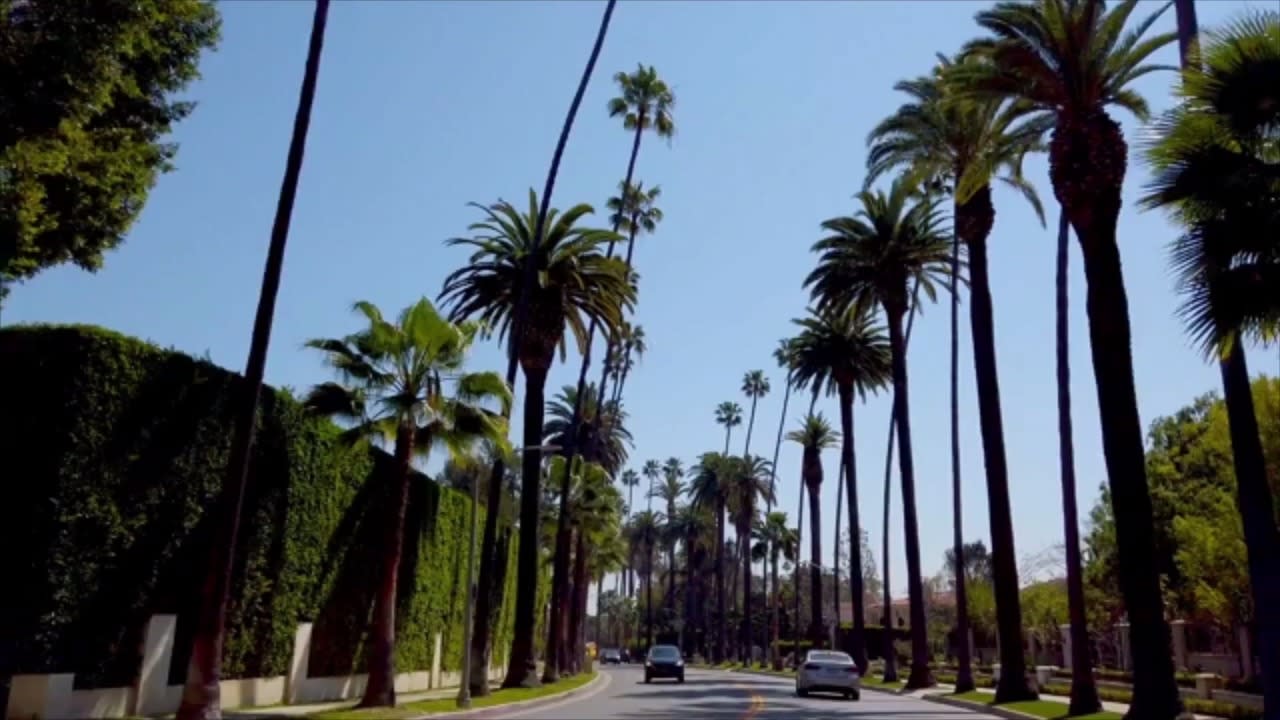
<point>425,106</point>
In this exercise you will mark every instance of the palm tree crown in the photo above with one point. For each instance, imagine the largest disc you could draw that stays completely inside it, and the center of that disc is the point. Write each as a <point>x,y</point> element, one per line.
<point>577,283</point>
<point>607,435</point>
<point>839,346</point>
<point>646,102</point>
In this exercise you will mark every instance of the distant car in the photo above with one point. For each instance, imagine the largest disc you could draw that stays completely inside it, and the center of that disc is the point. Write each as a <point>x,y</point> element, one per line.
<point>664,661</point>
<point>829,671</point>
<point>626,655</point>
<point>611,656</point>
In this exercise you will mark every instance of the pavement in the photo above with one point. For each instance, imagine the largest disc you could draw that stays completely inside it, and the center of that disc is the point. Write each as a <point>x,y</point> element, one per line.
<point>719,695</point>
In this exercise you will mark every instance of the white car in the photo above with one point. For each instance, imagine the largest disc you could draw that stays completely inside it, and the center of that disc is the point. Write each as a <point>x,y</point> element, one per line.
<point>828,671</point>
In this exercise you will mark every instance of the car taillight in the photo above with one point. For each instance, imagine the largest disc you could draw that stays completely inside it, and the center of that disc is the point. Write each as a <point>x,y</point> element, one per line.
<point>812,666</point>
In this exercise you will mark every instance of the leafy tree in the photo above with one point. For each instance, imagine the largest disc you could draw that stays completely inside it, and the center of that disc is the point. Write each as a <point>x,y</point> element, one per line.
<point>871,259</point>
<point>89,98</point>
<point>403,381</point>
<point>1069,60</point>
<point>576,285</point>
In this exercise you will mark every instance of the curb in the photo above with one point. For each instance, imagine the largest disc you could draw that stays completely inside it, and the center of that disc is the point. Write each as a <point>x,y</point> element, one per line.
<point>989,709</point>
<point>511,709</point>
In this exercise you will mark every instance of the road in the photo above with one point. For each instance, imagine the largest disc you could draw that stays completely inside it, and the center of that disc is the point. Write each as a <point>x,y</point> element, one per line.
<point>715,695</point>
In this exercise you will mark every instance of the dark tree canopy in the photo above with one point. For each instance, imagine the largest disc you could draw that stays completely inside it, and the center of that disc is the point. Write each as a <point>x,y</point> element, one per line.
<point>87,98</point>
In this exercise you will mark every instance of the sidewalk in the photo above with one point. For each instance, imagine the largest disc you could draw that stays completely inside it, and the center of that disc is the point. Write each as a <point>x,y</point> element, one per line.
<point>282,711</point>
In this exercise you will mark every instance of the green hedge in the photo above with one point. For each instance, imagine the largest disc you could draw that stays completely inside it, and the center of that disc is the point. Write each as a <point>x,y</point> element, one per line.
<point>114,453</point>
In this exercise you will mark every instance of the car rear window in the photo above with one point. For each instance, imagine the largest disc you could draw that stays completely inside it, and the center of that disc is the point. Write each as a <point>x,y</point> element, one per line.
<point>664,652</point>
<point>831,657</point>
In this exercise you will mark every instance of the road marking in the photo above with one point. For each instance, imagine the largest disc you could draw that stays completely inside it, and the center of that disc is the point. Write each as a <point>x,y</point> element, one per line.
<point>574,696</point>
<point>757,702</point>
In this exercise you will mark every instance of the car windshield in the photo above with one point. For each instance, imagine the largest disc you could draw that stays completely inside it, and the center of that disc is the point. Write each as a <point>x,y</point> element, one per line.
<point>611,652</point>
<point>831,657</point>
<point>664,652</point>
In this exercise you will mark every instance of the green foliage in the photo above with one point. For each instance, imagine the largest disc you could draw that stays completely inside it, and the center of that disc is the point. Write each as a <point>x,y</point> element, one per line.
<point>79,156</point>
<point>1199,541</point>
<point>122,449</point>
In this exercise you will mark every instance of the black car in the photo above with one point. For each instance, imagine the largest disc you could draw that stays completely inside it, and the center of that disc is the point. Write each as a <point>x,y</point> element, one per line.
<point>610,656</point>
<point>664,661</point>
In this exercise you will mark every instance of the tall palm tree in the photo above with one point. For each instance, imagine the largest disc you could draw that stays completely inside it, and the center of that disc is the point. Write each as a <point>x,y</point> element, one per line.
<point>814,435</point>
<point>395,385</point>
<point>872,257</point>
<point>633,350</point>
<point>966,144</point>
<point>755,386</point>
<point>607,433</point>
<point>670,491</point>
<point>696,526</point>
<point>652,470</point>
<point>645,528</point>
<point>748,482</point>
<point>595,513</point>
<point>781,355</point>
<point>578,285</point>
<point>629,479</point>
<point>844,351</point>
<point>201,692</point>
<point>889,654</point>
<point>1214,160</point>
<point>774,540</point>
<point>1185,12</point>
<point>728,414</point>
<point>1068,59</point>
<point>708,491</point>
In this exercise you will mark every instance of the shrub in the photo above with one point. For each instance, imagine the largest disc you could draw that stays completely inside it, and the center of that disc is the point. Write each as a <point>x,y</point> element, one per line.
<point>117,451</point>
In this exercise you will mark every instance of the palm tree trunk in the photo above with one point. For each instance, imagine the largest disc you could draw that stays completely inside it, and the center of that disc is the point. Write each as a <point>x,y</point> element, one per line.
<point>775,660</point>
<point>1185,11</point>
<point>1084,693</point>
<point>1092,203</point>
<point>751,422</point>
<point>1253,496</point>
<point>380,689</point>
<point>850,462</point>
<point>921,675</point>
<point>889,650</point>
<point>964,675</point>
<point>797,631</point>
<point>722,620</point>
<point>728,429</point>
<point>478,678</point>
<point>773,488</point>
<point>578,618</point>
<point>835,548</point>
<point>817,628</point>
<point>522,668</point>
<point>201,694</point>
<point>648,595</point>
<point>973,224</point>
<point>599,595</point>
<point>744,542</point>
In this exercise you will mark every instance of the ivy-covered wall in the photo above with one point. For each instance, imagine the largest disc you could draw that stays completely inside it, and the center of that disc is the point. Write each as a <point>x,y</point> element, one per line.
<point>114,451</point>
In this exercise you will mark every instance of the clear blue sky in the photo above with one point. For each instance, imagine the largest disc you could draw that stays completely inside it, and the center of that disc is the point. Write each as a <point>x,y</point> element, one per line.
<point>425,106</point>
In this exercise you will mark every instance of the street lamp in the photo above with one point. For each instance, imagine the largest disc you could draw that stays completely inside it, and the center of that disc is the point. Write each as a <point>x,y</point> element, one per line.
<point>464,692</point>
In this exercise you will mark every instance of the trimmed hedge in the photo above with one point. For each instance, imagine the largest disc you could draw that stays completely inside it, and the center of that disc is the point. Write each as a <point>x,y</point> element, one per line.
<point>115,452</point>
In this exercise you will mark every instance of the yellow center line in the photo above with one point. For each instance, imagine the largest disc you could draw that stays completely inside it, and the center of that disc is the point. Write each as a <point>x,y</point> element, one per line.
<point>757,703</point>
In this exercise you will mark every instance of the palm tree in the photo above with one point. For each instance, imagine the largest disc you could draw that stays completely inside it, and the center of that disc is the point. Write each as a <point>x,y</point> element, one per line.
<point>781,355</point>
<point>606,433</point>
<point>872,257</point>
<point>1185,12</point>
<point>1211,155</point>
<point>814,435</point>
<point>633,349</point>
<point>645,529</point>
<point>521,666</point>
<point>966,144</point>
<point>610,559</point>
<point>578,285</point>
<point>395,379</point>
<point>629,479</point>
<point>728,414</point>
<point>748,481</point>
<point>1068,59</point>
<point>845,351</point>
<point>697,527</point>
<point>774,540</point>
<point>755,386</point>
<point>651,470</point>
<point>201,693</point>
<point>708,491</point>
<point>670,490</point>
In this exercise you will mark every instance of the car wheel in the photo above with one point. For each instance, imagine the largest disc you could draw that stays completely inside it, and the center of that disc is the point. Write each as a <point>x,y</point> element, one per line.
<point>680,679</point>
<point>856,695</point>
<point>802,693</point>
<point>647,679</point>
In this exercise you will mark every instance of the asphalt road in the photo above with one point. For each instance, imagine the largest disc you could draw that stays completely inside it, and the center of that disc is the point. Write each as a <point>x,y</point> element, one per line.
<point>715,695</point>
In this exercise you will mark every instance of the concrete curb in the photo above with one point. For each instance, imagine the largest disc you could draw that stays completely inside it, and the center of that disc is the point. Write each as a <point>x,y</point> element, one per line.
<point>966,705</point>
<point>514,709</point>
